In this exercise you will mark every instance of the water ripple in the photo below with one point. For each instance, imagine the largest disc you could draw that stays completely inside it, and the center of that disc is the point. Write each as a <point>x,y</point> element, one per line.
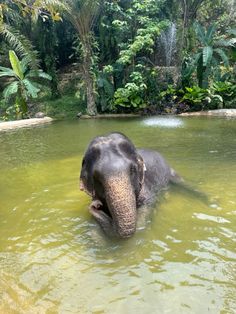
<point>217,219</point>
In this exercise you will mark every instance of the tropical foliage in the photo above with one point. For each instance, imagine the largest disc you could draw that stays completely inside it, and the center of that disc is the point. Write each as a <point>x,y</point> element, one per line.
<point>153,56</point>
<point>211,53</point>
<point>21,85</point>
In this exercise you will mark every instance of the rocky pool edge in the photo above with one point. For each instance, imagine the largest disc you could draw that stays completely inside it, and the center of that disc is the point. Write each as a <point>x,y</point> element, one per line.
<point>11,125</point>
<point>212,113</point>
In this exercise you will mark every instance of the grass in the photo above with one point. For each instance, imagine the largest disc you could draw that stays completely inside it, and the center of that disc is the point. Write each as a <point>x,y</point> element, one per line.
<point>65,107</point>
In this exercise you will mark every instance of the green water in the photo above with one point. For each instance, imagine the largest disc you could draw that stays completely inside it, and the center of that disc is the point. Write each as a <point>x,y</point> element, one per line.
<point>53,257</point>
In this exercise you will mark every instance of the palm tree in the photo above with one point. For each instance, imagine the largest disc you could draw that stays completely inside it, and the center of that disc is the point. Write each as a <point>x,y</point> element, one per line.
<point>82,16</point>
<point>21,84</point>
<point>12,13</point>
<point>19,43</point>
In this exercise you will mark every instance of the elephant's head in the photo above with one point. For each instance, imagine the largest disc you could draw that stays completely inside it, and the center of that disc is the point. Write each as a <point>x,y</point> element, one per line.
<point>113,173</point>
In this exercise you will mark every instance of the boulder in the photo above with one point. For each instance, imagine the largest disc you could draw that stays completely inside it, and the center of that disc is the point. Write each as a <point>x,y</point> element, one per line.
<point>39,115</point>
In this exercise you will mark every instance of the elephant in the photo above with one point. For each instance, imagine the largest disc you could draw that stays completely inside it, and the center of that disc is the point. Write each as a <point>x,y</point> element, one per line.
<point>121,180</point>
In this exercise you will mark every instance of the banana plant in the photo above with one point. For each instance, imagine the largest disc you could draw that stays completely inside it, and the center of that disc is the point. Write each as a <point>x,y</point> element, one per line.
<point>22,82</point>
<point>209,55</point>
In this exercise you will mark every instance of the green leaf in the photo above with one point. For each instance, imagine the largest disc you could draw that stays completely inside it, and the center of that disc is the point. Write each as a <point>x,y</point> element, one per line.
<point>31,89</point>
<point>189,89</point>
<point>207,55</point>
<point>232,31</point>
<point>226,42</point>
<point>200,70</point>
<point>44,75</point>
<point>197,57</point>
<point>10,90</point>
<point>223,56</point>
<point>199,30</point>
<point>210,33</point>
<point>56,17</point>
<point>214,61</point>
<point>6,72</point>
<point>39,73</point>
<point>25,63</point>
<point>16,66</point>
<point>21,102</point>
<point>19,43</point>
<point>232,42</point>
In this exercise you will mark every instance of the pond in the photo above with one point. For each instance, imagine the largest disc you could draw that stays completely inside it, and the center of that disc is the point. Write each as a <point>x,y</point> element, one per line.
<point>55,259</point>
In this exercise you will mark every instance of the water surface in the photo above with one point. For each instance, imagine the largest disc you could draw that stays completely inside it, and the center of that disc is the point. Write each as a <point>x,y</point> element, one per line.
<point>53,257</point>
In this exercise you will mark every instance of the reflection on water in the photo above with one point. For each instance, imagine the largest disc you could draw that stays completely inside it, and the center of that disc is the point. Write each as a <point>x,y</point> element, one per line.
<point>55,259</point>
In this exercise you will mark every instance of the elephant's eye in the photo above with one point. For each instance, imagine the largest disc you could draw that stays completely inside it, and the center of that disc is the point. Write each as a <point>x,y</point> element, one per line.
<point>132,169</point>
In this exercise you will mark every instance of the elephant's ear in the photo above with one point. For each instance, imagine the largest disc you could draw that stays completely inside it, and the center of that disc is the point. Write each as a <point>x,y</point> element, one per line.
<point>83,187</point>
<point>141,170</point>
<point>85,180</point>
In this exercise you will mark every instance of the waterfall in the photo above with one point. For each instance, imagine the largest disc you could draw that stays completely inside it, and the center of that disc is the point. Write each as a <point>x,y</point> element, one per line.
<point>168,42</point>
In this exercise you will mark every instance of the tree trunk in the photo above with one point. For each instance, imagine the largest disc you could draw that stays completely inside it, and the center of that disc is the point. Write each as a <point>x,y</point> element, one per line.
<point>91,104</point>
<point>88,79</point>
<point>189,9</point>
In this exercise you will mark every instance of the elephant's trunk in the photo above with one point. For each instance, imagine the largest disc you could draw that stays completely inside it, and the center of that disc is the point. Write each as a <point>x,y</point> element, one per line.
<point>121,202</point>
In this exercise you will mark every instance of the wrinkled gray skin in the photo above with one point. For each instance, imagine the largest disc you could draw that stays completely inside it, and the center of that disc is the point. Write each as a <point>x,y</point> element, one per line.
<point>120,179</point>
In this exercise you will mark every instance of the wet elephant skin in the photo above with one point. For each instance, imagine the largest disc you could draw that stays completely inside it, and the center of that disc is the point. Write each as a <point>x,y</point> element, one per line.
<point>121,179</point>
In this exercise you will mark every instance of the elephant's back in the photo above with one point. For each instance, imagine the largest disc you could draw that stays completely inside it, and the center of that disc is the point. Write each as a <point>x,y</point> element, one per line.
<point>158,172</point>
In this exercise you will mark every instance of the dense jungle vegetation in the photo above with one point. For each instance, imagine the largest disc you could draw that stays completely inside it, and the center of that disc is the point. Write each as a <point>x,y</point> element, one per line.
<point>152,56</point>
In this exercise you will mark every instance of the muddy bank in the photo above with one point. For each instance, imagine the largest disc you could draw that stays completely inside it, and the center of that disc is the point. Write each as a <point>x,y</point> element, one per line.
<point>11,125</point>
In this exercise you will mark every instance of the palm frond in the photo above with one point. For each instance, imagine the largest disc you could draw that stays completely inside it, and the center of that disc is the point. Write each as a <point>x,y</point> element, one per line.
<point>46,8</point>
<point>10,90</point>
<point>56,4</point>
<point>19,43</point>
<point>11,14</point>
<point>84,17</point>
